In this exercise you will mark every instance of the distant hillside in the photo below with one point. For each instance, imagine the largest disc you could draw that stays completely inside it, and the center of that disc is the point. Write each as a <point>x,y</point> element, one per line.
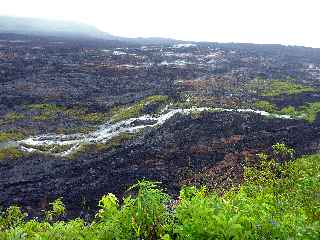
<point>36,26</point>
<point>45,27</point>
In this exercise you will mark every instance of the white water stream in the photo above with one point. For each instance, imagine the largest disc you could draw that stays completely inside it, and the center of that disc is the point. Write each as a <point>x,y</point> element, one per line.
<point>71,143</point>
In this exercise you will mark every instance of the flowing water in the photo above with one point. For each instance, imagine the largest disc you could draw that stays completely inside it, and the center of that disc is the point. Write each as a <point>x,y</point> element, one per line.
<point>104,133</point>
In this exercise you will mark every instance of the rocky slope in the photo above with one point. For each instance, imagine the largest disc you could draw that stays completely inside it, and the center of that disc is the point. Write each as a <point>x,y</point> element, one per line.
<point>210,149</point>
<point>63,87</point>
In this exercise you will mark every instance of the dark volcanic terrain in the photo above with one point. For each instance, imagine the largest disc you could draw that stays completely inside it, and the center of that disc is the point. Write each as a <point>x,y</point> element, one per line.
<point>69,88</point>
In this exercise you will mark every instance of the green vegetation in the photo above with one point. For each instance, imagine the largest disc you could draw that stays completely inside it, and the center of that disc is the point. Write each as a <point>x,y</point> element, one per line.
<point>272,88</point>
<point>308,112</point>
<point>73,130</point>
<point>11,118</point>
<point>10,153</point>
<point>277,88</point>
<point>57,210</point>
<point>279,199</point>
<point>289,110</point>
<point>136,110</point>
<point>83,115</point>
<point>196,114</point>
<point>266,106</point>
<point>47,112</point>
<point>47,107</point>
<point>97,117</point>
<point>12,135</point>
<point>42,117</point>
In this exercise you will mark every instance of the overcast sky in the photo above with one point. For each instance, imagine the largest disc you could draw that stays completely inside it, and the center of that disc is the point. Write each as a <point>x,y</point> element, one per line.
<point>291,22</point>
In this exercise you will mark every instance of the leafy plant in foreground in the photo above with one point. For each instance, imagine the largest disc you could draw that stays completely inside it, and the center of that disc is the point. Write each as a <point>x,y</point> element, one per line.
<point>279,199</point>
<point>11,218</point>
<point>57,210</point>
<point>142,217</point>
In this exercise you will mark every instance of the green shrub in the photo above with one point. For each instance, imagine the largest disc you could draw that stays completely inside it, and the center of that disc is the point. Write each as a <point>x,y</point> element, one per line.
<point>310,111</point>
<point>282,152</point>
<point>11,218</point>
<point>57,210</point>
<point>207,218</point>
<point>269,205</point>
<point>289,110</point>
<point>143,217</point>
<point>277,200</point>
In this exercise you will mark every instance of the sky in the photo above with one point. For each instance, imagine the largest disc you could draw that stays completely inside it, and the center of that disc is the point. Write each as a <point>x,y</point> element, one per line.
<point>289,22</point>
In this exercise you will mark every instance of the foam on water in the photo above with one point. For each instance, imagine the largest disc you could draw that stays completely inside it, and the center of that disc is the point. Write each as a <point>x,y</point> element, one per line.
<point>107,131</point>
